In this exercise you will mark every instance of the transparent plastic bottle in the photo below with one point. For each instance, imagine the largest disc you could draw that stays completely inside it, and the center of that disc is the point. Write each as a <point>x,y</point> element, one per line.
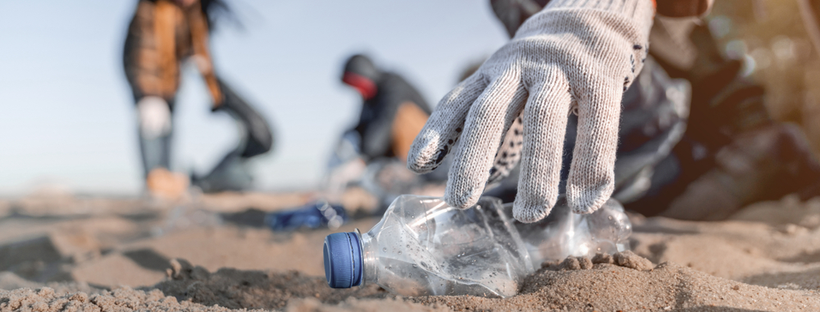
<point>422,246</point>
<point>564,233</point>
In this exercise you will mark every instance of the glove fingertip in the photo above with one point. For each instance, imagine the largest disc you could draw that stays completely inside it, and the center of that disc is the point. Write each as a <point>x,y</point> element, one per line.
<point>461,198</point>
<point>423,163</point>
<point>586,201</point>
<point>530,214</point>
<point>423,156</point>
<point>415,165</point>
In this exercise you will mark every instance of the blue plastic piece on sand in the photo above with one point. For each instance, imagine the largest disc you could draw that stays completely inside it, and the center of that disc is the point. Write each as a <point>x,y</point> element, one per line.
<point>314,215</point>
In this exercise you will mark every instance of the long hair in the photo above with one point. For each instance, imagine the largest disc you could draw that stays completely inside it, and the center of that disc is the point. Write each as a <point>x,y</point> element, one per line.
<point>216,10</point>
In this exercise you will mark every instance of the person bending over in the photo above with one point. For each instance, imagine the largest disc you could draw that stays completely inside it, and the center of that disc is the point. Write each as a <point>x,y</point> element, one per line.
<point>161,35</point>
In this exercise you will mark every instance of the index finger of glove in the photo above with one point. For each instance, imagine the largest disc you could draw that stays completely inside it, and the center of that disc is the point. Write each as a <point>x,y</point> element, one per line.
<point>444,126</point>
<point>491,113</point>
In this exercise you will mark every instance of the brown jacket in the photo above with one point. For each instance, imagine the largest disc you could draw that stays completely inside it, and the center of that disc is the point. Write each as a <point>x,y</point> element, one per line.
<point>160,36</point>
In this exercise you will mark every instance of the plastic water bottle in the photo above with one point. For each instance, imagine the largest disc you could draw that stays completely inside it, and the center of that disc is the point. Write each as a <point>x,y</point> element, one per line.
<point>563,233</point>
<point>422,246</point>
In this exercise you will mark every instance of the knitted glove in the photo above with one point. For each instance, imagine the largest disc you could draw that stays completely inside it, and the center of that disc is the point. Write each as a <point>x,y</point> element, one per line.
<point>154,117</point>
<point>575,55</point>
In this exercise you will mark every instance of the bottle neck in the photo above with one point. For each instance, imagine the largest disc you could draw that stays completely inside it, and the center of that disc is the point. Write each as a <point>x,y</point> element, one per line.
<point>369,259</point>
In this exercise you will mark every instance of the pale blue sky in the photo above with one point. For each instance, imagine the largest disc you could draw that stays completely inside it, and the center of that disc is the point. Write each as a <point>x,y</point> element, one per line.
<point>66,114</point>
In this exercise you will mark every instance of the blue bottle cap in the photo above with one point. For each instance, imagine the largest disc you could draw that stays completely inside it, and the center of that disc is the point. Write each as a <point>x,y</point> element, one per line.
<point>343,260</point>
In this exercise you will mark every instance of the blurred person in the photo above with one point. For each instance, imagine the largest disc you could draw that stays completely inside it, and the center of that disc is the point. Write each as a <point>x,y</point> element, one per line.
<point>392,112</point>
<point>162,35</point>
<point>564,59</point>
<point>373,152</point>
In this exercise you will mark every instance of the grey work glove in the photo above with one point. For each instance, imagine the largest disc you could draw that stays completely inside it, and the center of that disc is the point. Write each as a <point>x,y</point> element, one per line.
<point>572,56</point>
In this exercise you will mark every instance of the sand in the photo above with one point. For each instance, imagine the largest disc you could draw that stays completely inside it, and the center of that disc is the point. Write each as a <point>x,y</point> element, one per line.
<point>73,253</point>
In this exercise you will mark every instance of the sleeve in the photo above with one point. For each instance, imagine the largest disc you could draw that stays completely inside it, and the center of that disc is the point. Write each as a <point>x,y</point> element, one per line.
<point>683,8</point>
<point>376,132</point>
<point>376,128</point>
<point>198,24</point>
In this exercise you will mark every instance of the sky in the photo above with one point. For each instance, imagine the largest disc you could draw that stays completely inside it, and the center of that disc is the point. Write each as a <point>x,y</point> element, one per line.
<point>67,118</point>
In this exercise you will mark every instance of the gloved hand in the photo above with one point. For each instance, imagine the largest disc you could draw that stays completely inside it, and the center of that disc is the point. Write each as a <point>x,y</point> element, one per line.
<point>572,56</point>
<point>154,117</point>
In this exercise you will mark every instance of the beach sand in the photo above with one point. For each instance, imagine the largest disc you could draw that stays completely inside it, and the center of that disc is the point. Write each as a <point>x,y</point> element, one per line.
<point>63,252</point>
